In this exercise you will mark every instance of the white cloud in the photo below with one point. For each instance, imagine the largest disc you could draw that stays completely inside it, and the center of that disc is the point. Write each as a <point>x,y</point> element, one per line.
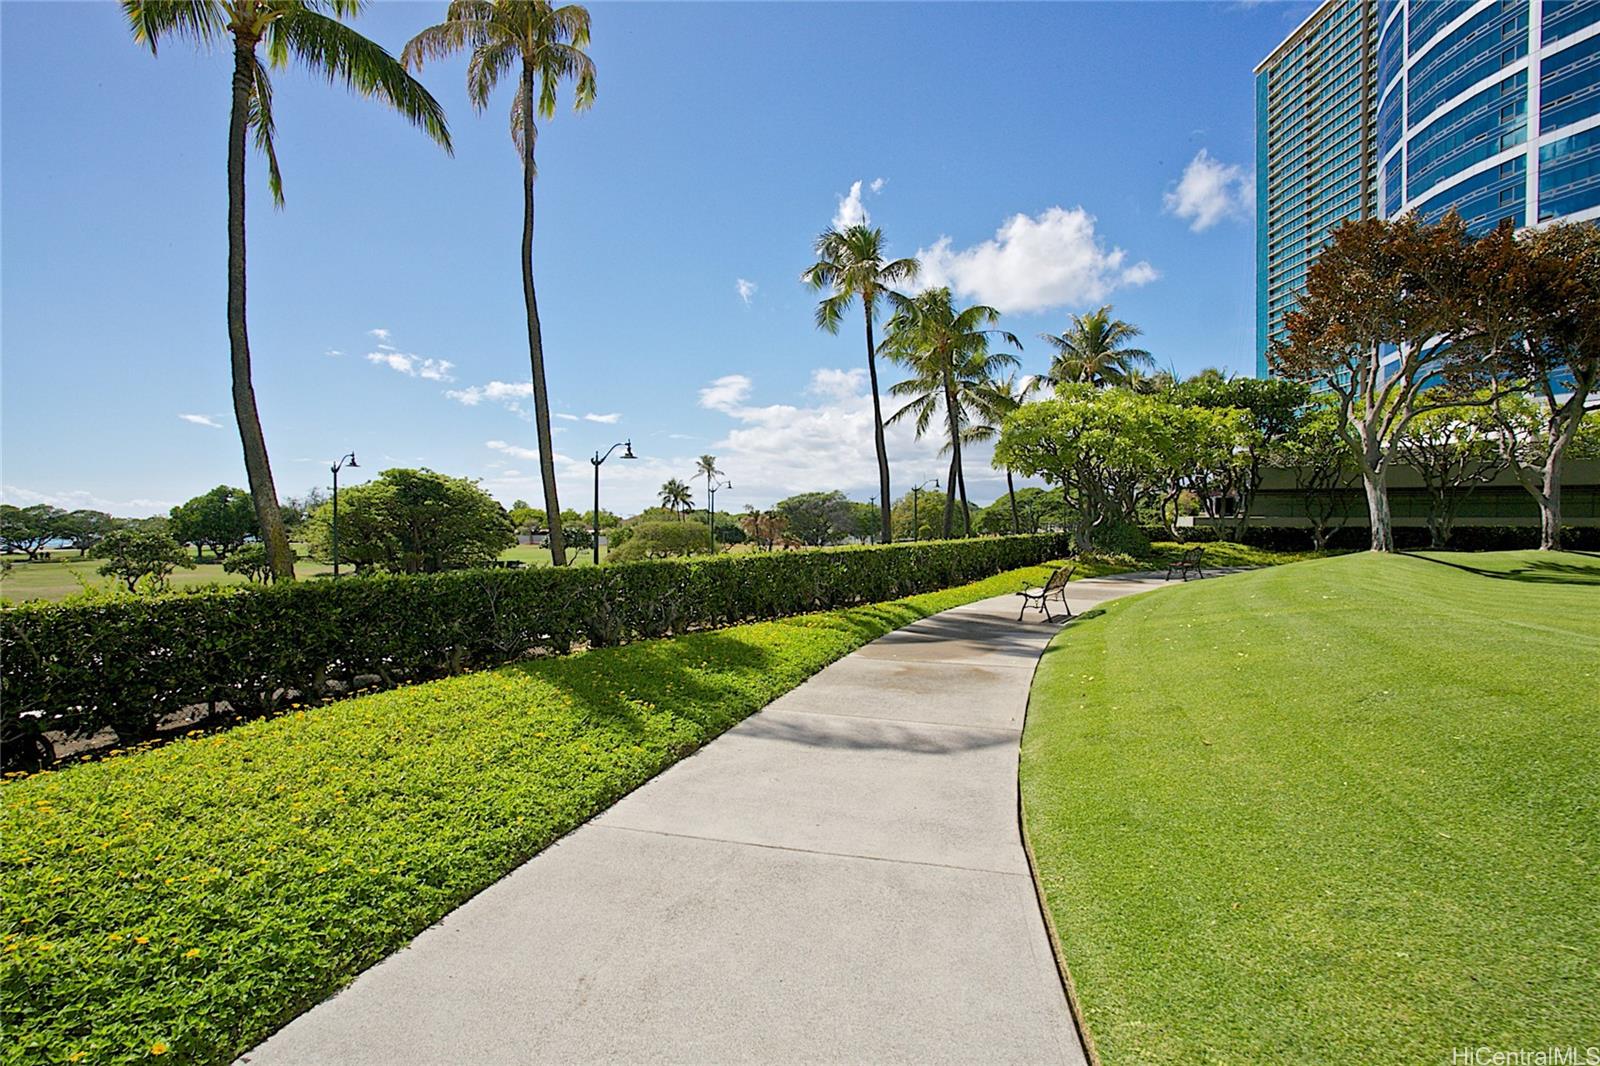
<point>726,393</point>
<point>851,212</point>
<point>878,184</point>
<point>80,499</point>
<point>510,393</point>
<point>1208,192</point>
<point>1054,259</point>
<point>516,451</point>
<point>334,352</point>
<point>606,420</point>
<point>560,414</point>
<point>746,290</point>
<point>414,366</point>
<point>202,420</point>
<point>381,334</point>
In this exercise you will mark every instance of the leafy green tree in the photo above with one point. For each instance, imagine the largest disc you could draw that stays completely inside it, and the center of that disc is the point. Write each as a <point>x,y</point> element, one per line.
<point>253,562</point>
<point>526,519</point>
<point>765,528</point>
<point>994,400</point>
<point>852,265</point>
<point>947,352</point>
<point>1324,465</point>
<point>1273,409</point>
<point>29,529</point>
<point>296,509</point>
<point>413,521</point>
<point>1094,349</point>
<point>657,540</point>
<point>221,520</point>
<point>817,518</point>
<point>308,31</point>
<point>676,497</point>
<point>545,44</point>
<point>1103,447</point>
<point>140,555</point>
<point>83,528</point>
<point>1454,450</point>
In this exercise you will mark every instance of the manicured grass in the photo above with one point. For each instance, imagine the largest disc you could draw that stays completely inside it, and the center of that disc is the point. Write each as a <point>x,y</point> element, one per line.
<point>199,895</point>
<point>1343,811</point>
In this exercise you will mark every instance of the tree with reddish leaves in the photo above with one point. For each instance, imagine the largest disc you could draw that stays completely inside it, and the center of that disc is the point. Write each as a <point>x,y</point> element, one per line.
<point>1399,317</point>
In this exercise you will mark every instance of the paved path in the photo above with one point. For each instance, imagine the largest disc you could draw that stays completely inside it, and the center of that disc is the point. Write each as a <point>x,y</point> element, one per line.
<point>839,878</point>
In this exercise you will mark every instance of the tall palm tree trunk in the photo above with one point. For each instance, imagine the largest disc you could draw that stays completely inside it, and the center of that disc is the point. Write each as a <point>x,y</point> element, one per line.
<point>1011,490</point>
<point>541,395</point>
<point>949,499</point>
<point>257,469</point>
<point>957,481</point>
<point>966,508</point>
<point>887,532</point>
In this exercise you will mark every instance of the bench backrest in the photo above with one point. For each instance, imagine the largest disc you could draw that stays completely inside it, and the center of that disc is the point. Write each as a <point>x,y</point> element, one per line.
<point>1193,554</point>
<point>1059,579</point>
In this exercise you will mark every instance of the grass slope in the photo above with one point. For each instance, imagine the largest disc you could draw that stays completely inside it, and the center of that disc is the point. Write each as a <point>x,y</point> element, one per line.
<point>195,897</point>
<point>1339,811</point>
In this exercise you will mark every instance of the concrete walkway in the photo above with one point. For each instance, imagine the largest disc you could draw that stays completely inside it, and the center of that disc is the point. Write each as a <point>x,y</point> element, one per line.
<point>839,878</point>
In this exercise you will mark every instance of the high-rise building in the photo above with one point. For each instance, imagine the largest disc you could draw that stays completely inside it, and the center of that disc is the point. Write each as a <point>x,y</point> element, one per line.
<point>1315,150</point>
<point>1489,107</point>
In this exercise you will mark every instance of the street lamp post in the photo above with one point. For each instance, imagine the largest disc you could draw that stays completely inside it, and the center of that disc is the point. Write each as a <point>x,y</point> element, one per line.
<point>872,502</point>
<point>627,453</point>
<point>350,461</point>
<point>713,486</point>
<point>916,527</point>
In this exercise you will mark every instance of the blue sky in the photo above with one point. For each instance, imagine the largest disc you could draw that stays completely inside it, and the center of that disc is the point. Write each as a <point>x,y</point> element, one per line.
<point>1043,158</point>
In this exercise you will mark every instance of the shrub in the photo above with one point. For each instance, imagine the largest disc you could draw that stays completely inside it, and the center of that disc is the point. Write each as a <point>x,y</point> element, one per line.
<point>127,663</point>
<point>659,540</point>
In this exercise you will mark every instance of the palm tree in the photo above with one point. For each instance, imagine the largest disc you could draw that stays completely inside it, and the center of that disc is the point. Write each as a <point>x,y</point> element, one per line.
<point>850,262</point>
<point>1095,349</point>
<point>676,496</point>
<point>308,31</point>
<point>549,41</point>
<point>948,354</point>
<point>993,400</point>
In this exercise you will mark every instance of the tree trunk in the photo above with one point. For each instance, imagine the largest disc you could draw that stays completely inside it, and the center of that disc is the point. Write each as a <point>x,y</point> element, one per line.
<point>1377,488</point>
<point>956,477</point>
<point>966,508</point>
<point>541,396</point>
<point>1011,490</point>
<point>949,499</point>
<point>887,532</point>
<point>1550,503</point>
<point>263,493</point>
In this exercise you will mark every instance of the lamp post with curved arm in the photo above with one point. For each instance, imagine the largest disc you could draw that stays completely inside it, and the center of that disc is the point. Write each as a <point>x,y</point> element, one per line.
<point>713,486</point>
<point>350,461</point>
<point>627,453</point>
<point>916,528</point>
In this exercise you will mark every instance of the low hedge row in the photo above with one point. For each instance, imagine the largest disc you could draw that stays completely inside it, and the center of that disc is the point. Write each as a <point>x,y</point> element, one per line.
<point>127,664</point>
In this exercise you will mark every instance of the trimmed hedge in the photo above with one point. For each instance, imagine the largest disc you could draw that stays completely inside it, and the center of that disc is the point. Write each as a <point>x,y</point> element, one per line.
<point>126,664</point>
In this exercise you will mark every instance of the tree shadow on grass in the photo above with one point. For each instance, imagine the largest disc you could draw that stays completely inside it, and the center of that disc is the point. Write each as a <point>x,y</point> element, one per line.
<point>1557,570</point>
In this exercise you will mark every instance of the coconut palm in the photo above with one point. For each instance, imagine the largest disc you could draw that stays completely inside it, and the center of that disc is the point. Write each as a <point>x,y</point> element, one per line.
<point>851,263</point>
<point>675,495</point>
<point>1095,349</point>
<point>545,45</point>
<point>948,354</point>
<point>992,400</point>
<point>307,31</point>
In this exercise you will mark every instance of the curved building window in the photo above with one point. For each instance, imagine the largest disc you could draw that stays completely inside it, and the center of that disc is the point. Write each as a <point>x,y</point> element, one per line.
<point>1481,126</point>
<point>1569,88</point>
<point>1491,40</point>
<point>1569,174</point>
<point>1428,18</point>
<point>1562,18</point>
<point>1485,199</point>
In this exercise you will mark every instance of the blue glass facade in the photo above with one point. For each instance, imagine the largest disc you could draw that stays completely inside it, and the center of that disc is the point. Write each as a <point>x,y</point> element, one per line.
<point>1499,101</point>
<point>1490,108</point>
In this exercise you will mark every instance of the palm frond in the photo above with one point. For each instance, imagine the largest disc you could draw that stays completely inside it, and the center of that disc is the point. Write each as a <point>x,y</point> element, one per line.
<point>337,51</point>
<point>202,22</point>
<point>259,118</point>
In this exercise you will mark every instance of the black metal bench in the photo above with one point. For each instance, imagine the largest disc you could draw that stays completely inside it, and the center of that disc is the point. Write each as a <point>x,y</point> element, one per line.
<point>1055,587</point>
<point>1188,563</point>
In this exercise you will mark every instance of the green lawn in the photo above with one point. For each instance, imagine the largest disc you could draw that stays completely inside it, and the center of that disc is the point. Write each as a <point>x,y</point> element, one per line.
<point>1342,811</point>
<point>66,574</point>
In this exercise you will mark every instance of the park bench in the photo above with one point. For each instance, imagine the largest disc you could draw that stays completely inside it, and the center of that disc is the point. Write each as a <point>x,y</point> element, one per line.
<point>1188,563</point>
<point>1054,587</point>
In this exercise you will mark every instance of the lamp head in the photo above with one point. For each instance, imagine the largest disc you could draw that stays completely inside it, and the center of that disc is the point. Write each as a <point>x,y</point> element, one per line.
<point>935,482</point>
<point>353,464</point>
<point>627,450</point>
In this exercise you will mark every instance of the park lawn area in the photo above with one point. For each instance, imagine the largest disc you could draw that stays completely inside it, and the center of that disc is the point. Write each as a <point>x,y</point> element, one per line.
<point>1341,811</point>
<point>197,896</point>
